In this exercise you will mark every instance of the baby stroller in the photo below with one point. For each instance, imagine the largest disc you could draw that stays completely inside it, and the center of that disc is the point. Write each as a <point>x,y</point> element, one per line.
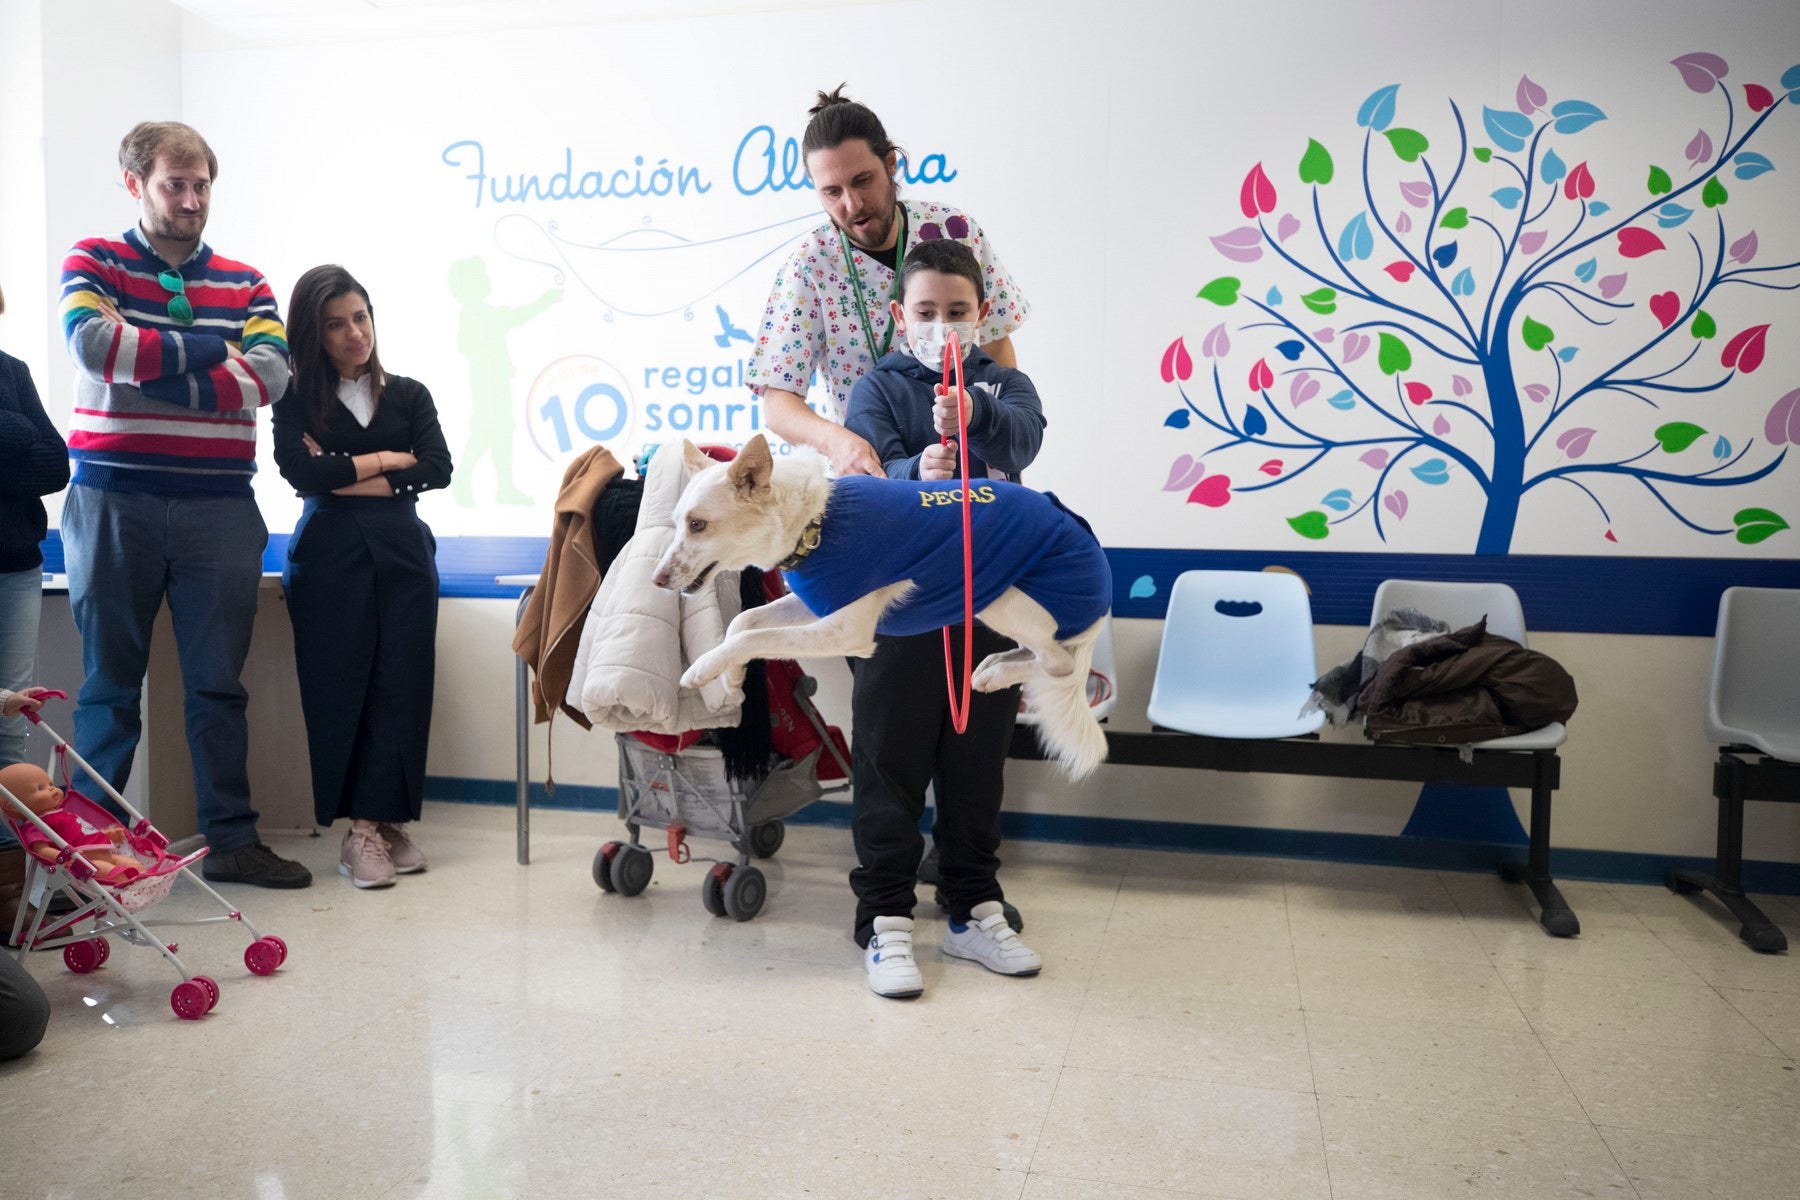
<point>53,865</point>
<point>682,786</point>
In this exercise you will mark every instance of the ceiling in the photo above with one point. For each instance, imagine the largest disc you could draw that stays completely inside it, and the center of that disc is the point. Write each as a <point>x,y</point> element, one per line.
<point>307,20</point>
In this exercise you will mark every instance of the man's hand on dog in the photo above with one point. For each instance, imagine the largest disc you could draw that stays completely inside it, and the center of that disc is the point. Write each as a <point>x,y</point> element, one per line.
<point>850,454</point>
<point>943,411</point>
<point>940,462</point>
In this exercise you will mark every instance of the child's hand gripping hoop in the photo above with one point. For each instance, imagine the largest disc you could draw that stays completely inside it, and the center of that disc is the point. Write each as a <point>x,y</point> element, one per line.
<point>959,713</point>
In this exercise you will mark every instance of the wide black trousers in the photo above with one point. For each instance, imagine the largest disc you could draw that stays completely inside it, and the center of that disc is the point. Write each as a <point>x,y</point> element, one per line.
<point>903,740</point>
<point>362,592</point>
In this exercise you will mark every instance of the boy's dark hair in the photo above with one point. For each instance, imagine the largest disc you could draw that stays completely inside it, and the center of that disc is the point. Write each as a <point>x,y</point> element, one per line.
<point>836,119</point>
<point>946,257</point>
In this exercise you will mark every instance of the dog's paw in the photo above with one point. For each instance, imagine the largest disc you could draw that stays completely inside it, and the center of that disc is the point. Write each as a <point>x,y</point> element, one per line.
<point>984,679</point>
<point>704,670</point>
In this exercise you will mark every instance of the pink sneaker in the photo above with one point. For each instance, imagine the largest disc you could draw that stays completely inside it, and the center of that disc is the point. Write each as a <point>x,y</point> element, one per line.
<point>365,860</point>
<point>408,859</point>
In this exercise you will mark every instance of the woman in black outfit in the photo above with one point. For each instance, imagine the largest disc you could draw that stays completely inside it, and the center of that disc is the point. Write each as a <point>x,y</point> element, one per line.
<point>359,445</point>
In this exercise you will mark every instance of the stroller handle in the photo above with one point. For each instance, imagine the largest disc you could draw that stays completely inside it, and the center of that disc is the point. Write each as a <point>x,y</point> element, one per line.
<point>43,694</point>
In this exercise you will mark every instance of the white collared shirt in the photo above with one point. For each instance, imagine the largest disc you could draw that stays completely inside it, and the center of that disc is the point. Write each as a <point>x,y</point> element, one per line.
<point>358,395</point>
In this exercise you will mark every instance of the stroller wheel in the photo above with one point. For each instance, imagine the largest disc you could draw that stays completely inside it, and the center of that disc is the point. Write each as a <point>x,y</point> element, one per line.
<point>278,944</point>
<point>631,870</point>
<point>745,892</point>
<point>264,956</point>
<point>190,1000</point>
<point>105,948</point>
<point>712,889</point>
<point>82,957</point>
<point>766,839</point>
<point>603,860</point>
<point>212,991</point>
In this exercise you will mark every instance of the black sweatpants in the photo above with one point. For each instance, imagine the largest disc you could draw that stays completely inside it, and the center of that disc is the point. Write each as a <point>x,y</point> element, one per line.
<point>902,740</point>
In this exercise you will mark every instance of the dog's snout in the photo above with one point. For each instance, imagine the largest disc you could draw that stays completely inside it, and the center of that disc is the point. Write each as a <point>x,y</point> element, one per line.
<point>661,578</point>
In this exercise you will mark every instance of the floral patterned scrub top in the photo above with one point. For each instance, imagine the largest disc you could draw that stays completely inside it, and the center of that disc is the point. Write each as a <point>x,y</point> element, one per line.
<point>811,320</point>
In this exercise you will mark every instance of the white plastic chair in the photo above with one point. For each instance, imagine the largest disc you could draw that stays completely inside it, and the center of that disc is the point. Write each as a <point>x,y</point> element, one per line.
<point>1462,604</point>
<point>1755,697</point>
<point>1755,702</point>
<point>1237,656</point>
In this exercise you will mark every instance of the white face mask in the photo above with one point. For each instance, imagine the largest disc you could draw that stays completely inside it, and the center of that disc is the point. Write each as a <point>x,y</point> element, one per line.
<point>927,339</point>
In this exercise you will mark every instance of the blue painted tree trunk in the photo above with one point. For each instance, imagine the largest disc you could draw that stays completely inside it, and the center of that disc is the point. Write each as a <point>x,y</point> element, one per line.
<point>1506,477</point>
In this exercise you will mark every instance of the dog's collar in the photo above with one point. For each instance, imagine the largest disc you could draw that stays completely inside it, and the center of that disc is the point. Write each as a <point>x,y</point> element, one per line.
<point>809,541</point>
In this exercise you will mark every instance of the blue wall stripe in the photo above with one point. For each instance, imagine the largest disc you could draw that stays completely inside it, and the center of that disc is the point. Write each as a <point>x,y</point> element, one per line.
<point>1663,596</point>
<point>1571,594</point>
<point>1605,866</point>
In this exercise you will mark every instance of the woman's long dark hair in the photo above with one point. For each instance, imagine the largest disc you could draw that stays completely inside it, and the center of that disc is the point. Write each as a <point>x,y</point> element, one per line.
<point>315,378</point>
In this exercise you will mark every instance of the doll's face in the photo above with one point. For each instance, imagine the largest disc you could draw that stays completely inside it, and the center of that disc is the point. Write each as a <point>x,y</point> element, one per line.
<point>32,786</point>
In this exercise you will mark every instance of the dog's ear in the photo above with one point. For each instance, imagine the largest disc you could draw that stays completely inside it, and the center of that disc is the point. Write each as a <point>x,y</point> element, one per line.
<point>750,470</point>
<point>694,457</point>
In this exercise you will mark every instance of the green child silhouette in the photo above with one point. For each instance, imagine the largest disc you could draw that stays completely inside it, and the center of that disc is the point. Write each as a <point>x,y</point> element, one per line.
<point>481,336</point>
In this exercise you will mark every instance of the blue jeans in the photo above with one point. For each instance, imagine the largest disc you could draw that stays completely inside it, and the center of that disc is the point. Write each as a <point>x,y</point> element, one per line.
<point>125,551</point>
<point>21,602</point>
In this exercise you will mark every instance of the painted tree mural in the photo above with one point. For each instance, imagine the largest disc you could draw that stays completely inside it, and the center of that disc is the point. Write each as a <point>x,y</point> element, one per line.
<point>1396,365</point>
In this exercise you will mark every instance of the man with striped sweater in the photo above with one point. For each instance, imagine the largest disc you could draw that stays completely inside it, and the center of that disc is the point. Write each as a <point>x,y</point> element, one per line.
<point>176,347</point>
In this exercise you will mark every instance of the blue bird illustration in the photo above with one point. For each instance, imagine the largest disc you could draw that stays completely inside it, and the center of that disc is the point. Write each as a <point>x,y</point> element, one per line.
<point>730,332</point>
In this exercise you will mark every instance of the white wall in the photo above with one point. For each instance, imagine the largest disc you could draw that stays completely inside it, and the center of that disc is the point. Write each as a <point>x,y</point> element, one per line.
<point>74,77</point>
<point>1102,151</point>
<point>22,253</point>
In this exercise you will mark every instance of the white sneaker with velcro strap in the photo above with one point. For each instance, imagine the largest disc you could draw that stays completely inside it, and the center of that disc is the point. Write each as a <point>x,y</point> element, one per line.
<point>889,960</point>
<point>990,941</point>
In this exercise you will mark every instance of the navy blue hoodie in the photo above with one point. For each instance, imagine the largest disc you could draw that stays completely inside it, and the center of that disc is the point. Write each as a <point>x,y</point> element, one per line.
<point>890,407</point>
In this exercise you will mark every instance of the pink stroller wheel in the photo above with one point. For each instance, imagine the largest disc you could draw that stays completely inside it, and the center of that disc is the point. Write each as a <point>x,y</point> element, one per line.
<point>212,991</point>
<point>279,944</point>
<point>82,957</point>
<point>264,955</point>
<point>190,999</point>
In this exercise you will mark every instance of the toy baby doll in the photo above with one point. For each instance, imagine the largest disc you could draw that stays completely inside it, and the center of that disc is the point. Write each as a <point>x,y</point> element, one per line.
<point>33,787</point>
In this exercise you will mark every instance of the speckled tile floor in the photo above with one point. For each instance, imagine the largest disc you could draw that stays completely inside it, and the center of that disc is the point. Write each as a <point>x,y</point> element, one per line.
<point>1204,1026</point>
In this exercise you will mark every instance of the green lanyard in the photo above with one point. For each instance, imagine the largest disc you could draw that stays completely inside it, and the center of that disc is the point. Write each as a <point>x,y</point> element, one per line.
<point>862,304</point>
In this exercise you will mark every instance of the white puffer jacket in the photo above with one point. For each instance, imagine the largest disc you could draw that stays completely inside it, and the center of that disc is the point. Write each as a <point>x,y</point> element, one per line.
<point>639,638</point>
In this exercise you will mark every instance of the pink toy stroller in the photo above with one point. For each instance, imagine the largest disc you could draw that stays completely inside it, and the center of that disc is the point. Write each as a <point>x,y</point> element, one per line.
<point>110,904</point>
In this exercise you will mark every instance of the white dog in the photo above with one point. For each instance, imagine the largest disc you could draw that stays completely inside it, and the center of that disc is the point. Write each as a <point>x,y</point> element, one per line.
<point>864,555</point>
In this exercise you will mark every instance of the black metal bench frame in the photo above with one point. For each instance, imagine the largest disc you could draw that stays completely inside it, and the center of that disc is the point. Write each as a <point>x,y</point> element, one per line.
<point>1538,770</point>
<point>1742,773</point>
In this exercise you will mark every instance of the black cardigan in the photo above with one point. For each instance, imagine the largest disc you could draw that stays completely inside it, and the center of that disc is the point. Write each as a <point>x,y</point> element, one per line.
<point>405,419</point>
<point>34,462</point>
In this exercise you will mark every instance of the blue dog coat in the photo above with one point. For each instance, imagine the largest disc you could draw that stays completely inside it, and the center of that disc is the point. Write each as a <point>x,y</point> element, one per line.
<point>880,531</point>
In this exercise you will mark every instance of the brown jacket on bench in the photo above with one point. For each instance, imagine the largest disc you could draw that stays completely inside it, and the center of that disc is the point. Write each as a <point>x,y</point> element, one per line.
<point>1466,686</point>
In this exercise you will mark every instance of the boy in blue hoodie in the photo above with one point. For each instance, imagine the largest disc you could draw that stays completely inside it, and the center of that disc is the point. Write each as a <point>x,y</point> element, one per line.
<point>903,739</point>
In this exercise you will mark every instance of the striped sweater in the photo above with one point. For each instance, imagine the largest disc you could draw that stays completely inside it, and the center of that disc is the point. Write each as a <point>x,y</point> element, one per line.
<point>159,406</point>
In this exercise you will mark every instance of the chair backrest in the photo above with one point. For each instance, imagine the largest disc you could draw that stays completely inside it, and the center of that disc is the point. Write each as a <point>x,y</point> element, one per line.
<point>1458,604</point>
<point>1756,670</point>
<point>1250,631</point>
